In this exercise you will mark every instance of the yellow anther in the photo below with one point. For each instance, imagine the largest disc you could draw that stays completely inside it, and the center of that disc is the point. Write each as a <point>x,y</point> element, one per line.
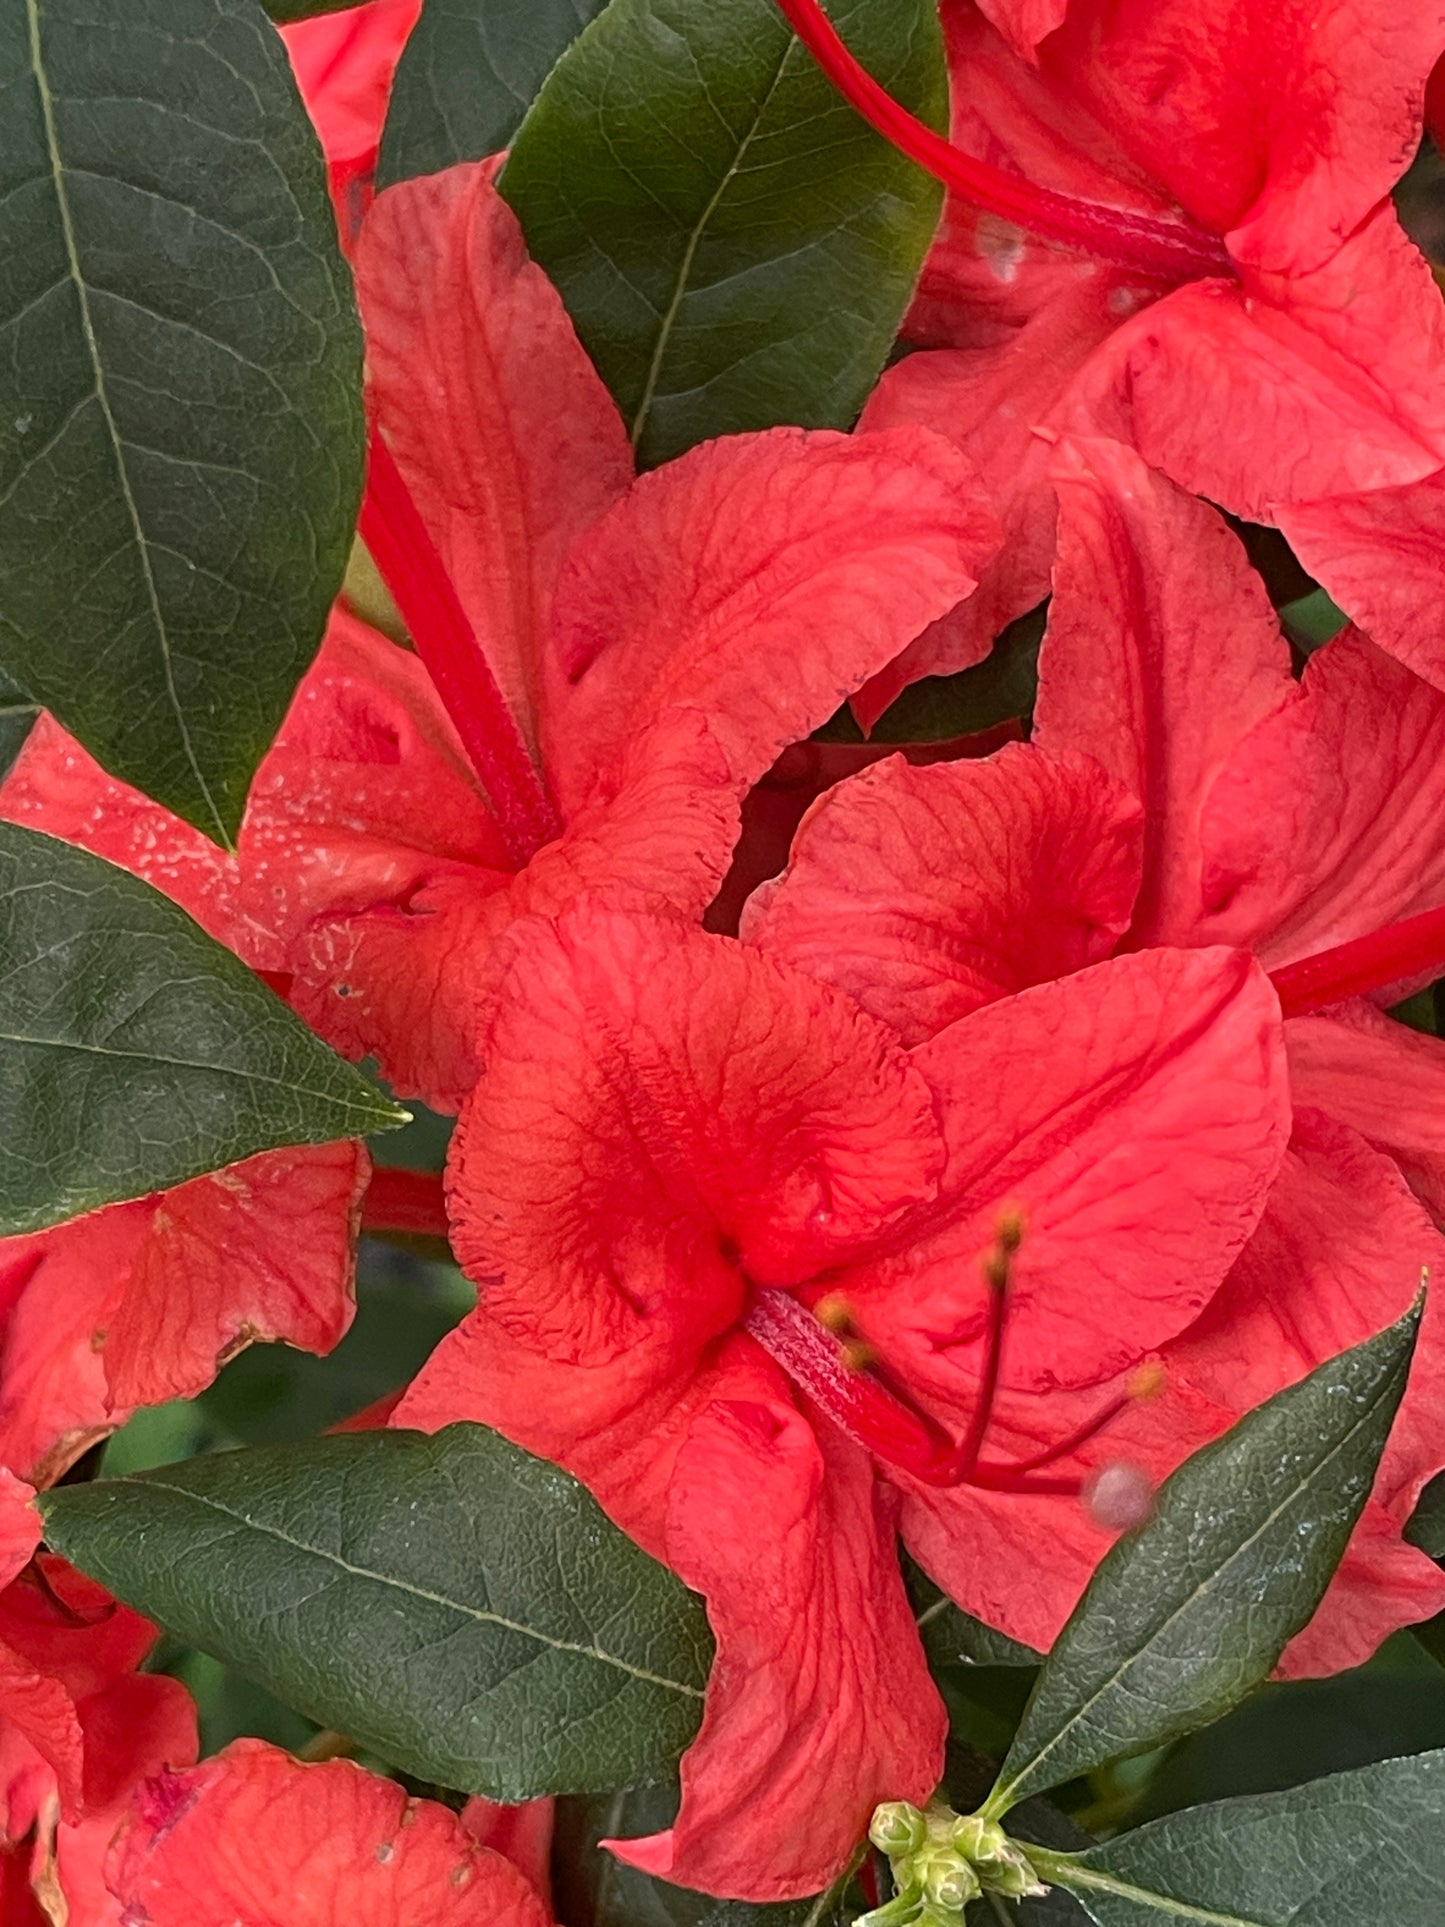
<point>834,1313</point>
<point>1150,1379</point>
<point>856,1356</point>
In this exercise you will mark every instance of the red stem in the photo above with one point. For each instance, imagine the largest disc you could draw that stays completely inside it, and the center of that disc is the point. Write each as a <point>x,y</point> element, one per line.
<point>410,1201</point>
<point>1171,251</point>
<point>1366,964</point>
<point>401,547</point>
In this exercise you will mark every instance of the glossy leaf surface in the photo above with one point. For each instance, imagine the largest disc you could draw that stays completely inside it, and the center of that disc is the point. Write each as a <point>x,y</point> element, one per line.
<point>136,1051</point>
<point>460,1608</point>
<point>1182,1619</point>
<point>469,72</point>
<point>180,410</point>
<point>735,247</point>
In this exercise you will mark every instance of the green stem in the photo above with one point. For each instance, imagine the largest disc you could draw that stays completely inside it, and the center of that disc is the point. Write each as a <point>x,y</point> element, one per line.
<point>1066,1870</point>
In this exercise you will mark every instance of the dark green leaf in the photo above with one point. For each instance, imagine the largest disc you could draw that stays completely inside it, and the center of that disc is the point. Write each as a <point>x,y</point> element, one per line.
<point>1365,1847</point>
<point>180,415</point>
<point>1183,1618</point>
<point>460,1608</point>
<point>17,716</point>
<point>284,11</point>
<point>468,74</point>
<point>735,247</point>
<point>594,1890</point>
<point>1427,1523</point>
<point>136,1051</point>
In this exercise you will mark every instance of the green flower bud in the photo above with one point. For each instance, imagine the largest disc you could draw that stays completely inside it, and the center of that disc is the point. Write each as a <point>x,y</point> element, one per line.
<point>979,1839</point>
<point>951,1884</point>
<point>897,1829</point>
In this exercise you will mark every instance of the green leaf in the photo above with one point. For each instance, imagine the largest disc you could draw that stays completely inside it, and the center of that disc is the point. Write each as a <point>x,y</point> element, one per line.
<point>735,247</point>
<point>1181,1620</point>
<point>1363,1847</point>
<point>1426,1528</point>
<point>467,75</point>
<point>180,411</point>
<point>136,1051</point>
<point>17,718</point>
<point>594,1890</point>
<point>285,11</point>
<point>458,1607</point>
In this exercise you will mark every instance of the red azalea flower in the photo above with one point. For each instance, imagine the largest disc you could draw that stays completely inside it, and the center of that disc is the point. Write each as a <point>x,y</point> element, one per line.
<point>1295,379</point>
<point>339,1844</point>
<point>1285,817</point>
<point>680,1144</point>
<point>613,662</point>
<point>146,1301</point>
<point>79,1727</point>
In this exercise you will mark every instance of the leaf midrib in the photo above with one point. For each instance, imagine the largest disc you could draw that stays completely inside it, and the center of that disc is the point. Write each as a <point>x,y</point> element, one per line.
<point>1005,1796</point>
<point>77,276</point>
<point>417,1592</point>
<point>1069,1873</point>
<point>668,319</point>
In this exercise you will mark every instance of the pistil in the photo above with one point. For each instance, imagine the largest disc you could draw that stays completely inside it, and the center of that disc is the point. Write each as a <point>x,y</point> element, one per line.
<point>1169,251</point>
<point>1412,948</point>
<point>402,548</point>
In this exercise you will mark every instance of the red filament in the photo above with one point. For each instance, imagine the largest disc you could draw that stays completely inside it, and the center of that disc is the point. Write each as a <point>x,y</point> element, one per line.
<point>1171,251</point>
<point>392,528</point>
<point>1366,964</point>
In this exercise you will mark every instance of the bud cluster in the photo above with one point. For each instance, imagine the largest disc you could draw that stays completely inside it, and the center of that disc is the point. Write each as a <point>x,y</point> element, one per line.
<point>941,1862</point>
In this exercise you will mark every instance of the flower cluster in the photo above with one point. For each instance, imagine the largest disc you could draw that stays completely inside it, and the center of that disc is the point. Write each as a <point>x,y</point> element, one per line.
<point>937,1178</point>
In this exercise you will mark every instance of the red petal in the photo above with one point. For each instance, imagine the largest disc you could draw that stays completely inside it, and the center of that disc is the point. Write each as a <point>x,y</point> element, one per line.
<point>55,786</point>
<point>1287,124</point>
<point>340,1845</point>
<point>1326,824</point>
<point>659,1108</point>
<point>1382,557</point>
<point>262,1250</point>
<point>1136,1113</point>
<point>1162,650</point>
<point>1024,23</point>
<point>1287,389</point>
<point>1384,1080</point>
<point>988,400</point>
<point>343,65</point>
<point>820,1704</point>
<point>760,579</point>
<point>926,893</point>
<point>503,429</point>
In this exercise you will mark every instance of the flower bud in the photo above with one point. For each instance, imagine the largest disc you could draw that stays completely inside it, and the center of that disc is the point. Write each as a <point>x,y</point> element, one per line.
<point>897,1829</point>
<point>979,1839</point>
<point>951,1883</point>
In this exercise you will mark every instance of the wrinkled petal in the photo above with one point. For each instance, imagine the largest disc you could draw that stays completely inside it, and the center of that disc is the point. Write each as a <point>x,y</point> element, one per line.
<point>926,893</point>
<point>1286,124</point>
<point>1285,390</point>
<point>1136,1115</point>
<point>1161,651</point>
<point>57,787</point>
<point>343,1848</point>
<point>1384,1080</point>
<point>262,1250</point>
<point>760,579</point>
<point>820,1704</point>
<point>1325,825</point>
<point>504,431</point>
<point>989,401</point>
<point>1337,1256</point>
<point>1382,557</point>
<point>819,1699</point>
<point>685,1105</point>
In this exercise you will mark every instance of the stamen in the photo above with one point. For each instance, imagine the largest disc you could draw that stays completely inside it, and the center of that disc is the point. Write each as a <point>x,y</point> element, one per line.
<point>1171,251</point>
<point>402,548</point>
<point>997,1266</point>
<point>1363,965</point>
<point>1144,1384</point>
<point>406,1201</point>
